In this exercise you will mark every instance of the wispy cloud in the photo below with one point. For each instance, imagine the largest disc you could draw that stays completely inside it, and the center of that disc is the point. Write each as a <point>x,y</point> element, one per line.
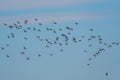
<point>27,4</point>
<point>48,10</point>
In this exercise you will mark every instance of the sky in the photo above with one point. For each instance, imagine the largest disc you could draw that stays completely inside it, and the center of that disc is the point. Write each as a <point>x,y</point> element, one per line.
<point>71,64</point>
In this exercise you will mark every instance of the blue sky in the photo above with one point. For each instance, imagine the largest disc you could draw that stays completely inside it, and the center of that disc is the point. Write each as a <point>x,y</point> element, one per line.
<point>101,15</point>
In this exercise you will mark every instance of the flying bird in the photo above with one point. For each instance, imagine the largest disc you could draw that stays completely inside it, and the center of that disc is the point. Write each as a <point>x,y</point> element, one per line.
<point>27,58</point>
<point>106,73</point>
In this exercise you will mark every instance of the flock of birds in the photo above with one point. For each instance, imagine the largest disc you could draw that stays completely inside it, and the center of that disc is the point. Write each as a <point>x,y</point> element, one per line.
<point>61,36</point>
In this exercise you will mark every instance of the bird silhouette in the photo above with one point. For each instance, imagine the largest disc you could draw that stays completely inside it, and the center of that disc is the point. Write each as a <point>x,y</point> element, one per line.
<point>36,19</point>
<point>22,53</point>
<point>88,64</point>
<point>60,29</point>
<point>106,73</point>
<point>7,56</point>
<point>91,30</point>
<point>51,54</point>
<point>39,55</point>
<point>54,22</point>
<point>25,47</point>
<point>7,44</point>
<point>76,23</point>
<point>27,58</point>
<point>18,22</point>
<point>40,23</point>
<point>90,45</point>
<point>25,38</point>
<point>25,30</point>
<point>10,26</point>
<point>2,48</point>
<point>90,59</point>
<point>5,24</point>
<point>61,50</point>
<point>26,21</point>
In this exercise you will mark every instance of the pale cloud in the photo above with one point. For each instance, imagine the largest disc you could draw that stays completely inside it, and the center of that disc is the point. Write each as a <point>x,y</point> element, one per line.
<point>27,4</point>
<point>23,7</point>
<point>59,17</point>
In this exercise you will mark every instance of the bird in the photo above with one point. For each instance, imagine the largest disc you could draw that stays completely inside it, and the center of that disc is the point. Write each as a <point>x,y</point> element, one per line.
<point>117,43</point>
<point>46,39</point>
<point>34,28</point>
<point>83,36</point>
<point>8,36</point>
<point>5,24</point>
<point>48,29</point>
<point>40,23</point>
<point>41,39</point>
<point>76,23</point>
<point>38,37</point>
<point>60,29</point>
<point>29,28</point>
<point>14,24</point>
<point>18,22</point>
<point>89,39</point>
<point>106,73</point>
<point>90,59</point>
<point>57,38</point>
<point>105,44</point>
<point>113,43</point>
<point>2,48</point>
<point>7,44</point>
<point>94,55</point>
<point>66,43</point>
<point>27,58</point>
<point>54,31</point>
<point>85,51</point>
<point>55,42</point>
<point>60,44</point>
<point>39,30</point>
<point>79,40</point>
<point>91,30</point>
<point>12,34</point>
<point>47,46</point>
<point>20,26</point>
<point>25,38</point>
<point>109,46</point>
<point>25,47</point>
<point>36,19</point>
<point>22,53</point>
<point>51,54</point>
<point>93,36</point>
<point>24,30</point>
<point>100,42</point>
<point>67,27</point>
<point>10,26</point>
<point>7,56</point>
<point>50,42</point>
<point>54,22</point>
<point>61,50</point>
<point>39,55</point>
<point>90,45</point>
<point>25,21</point>
<point>88,64</point>
<point>68,33</point>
